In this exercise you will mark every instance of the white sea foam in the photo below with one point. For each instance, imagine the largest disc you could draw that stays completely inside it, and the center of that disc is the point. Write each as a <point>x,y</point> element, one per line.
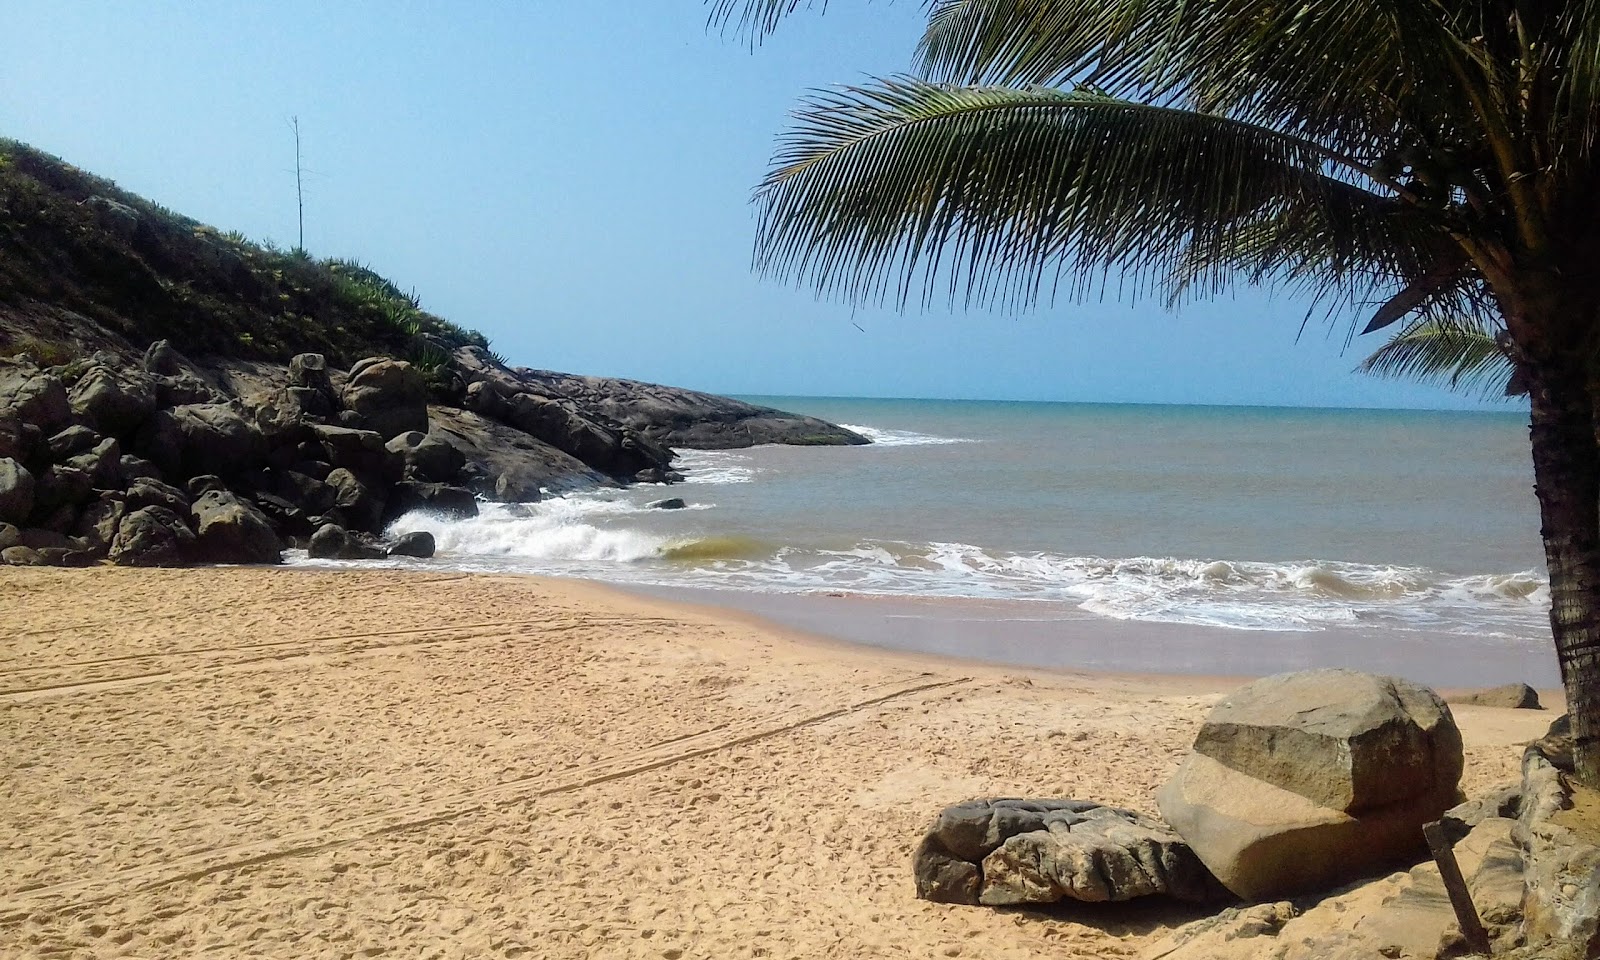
<point>715,466</point>
<point>607,536</point>
<point>884,437</point>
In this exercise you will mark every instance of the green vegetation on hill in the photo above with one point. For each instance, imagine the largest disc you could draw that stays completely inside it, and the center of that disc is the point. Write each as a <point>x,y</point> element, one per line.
<point>84,263</point>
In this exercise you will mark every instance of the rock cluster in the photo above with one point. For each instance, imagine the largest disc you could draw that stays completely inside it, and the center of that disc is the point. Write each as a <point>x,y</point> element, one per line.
<point>148,464</point>
<point>1004,852</point>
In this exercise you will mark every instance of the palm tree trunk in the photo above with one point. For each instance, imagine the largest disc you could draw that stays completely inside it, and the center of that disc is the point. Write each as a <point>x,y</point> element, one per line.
<point>1566,469</point>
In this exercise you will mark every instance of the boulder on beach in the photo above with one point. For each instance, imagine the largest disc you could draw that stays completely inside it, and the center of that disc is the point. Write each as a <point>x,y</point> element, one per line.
<point>418,544</point>
<point>1006,852</point>
<point>1512,696</point>
<point>232,530</point>
<point>1305,781</point>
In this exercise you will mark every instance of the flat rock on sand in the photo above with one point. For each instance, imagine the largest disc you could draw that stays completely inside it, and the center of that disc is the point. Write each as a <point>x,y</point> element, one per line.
<point>285,763</point>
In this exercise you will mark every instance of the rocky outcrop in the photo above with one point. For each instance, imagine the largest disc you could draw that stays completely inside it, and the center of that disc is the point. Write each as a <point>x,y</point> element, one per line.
<point>1512,696</point>
<point>1559,835</point>
<point>1304,781</point>
<point>1004,852</point>
<point>667,416</point>
<point>1405,914</point>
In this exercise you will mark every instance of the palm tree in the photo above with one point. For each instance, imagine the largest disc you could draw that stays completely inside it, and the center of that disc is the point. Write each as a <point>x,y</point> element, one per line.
<point>1456,356</point>
<point>1431,159</point>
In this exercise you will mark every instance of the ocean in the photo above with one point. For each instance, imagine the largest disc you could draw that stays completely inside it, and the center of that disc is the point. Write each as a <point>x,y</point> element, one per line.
<point>1243,518</point>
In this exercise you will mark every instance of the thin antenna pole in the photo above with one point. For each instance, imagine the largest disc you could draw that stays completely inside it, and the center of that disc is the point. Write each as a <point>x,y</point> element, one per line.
<point>299,188</point>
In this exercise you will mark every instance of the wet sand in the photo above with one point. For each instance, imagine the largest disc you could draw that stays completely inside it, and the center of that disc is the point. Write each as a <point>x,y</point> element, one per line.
<point>311,764</point>
<point>1059,636</point>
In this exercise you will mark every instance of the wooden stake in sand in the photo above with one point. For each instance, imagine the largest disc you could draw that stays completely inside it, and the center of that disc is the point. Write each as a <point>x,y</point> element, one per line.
<point>1460,897</point>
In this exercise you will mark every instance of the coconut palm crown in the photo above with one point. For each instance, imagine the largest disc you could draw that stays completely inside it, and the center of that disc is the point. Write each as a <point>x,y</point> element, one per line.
<point>1431,162</point>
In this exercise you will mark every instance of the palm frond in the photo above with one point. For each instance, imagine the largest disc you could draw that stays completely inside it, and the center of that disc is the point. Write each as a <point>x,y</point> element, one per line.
<point>1462,355</point>
<point>1007,193</point>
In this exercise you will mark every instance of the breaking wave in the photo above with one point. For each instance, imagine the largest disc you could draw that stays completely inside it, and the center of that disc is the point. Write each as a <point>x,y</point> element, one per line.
<point>611,537</point>
<point>901,438</point>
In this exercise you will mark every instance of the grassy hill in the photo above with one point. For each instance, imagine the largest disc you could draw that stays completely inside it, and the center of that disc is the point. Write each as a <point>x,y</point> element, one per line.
<point>86,265</point>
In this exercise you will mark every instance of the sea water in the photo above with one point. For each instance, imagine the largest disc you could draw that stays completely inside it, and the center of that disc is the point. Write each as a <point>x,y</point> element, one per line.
<point>1240,517</point>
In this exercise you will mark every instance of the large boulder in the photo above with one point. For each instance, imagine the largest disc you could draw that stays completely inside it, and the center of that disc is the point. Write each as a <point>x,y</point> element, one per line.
<point>152,537</point>
<point>453,503</point>
<point>427,457</point>
<point>333,542</point>
<point>360,507</point>
<point>33,396</point>
<point>232,530</point>
<point>1304,781</point>
<point>150,492</point>
<point>18,438</point>
<point>1512,696</point>
<point>113,402</point>
<point>418,543</point>
<point>390,396</point>
<point>17,486</point>
<point>202,438</point>
<point>362,452</point>
<point>1008,852</point>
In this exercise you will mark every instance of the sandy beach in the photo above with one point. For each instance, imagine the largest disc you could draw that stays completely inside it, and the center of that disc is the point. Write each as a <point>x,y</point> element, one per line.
<point>251,762</point>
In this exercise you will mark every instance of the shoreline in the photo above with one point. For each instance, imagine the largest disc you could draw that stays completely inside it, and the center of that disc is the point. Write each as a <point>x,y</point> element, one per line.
<point>1062,638</point>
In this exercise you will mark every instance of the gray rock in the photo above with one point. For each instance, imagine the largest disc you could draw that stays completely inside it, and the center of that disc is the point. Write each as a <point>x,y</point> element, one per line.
<point>453,503</point>
<point>389,395</point>
<point>362,452</point>
<point>102,462</point>
<point>427,457</point>
<point>309,371</point>
<point>332,542</point>
<point>1561,874</point>
<point>18,439</point>
<point>17,487</point>
<point>71,442</point>
<point>416,544</point>
<point>152,537</point>
<point>1003,852</point>
<point>135,468</point>
<point>150,492</point>
<point>671,503</point>
<point>163,359</point>
<point>115,402</point>
<point>1307,780</point>
<point>202,438</point>
<point>33,396</point>
<point>63,485</point>
<point>20,556</point>
<point>231,530</point>
<point>361,508</point>
<point>1513,696</point>
<point>10,535</point>
<point>97,526</point>
<point>508,465</point>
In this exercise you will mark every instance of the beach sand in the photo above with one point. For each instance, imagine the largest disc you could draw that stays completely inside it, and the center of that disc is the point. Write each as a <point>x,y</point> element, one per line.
<point>281,763</point>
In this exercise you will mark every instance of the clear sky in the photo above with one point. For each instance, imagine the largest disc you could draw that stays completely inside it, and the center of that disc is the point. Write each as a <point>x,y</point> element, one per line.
<point>574,180</point>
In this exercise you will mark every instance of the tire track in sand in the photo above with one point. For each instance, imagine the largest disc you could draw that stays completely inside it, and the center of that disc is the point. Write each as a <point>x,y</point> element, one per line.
<point>310,651</point>
<point>54,898</point>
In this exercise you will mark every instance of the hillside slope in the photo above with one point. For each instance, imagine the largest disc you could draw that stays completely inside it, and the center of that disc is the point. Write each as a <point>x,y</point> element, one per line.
<point>251,396</point>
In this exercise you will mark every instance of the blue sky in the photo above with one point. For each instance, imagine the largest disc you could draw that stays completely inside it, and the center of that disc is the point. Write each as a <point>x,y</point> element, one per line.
<point>573,179</point>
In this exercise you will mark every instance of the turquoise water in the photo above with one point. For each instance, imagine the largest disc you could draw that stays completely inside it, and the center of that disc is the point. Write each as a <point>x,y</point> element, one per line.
<point>1250,518</point>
